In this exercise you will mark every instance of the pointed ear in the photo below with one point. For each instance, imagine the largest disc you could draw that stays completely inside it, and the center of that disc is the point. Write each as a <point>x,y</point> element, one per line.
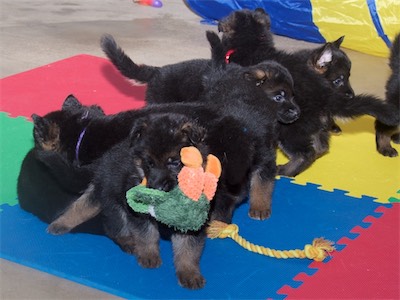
<point>256,75</point>
<point>195,133</point>
<point>260,10</point>
<point>40,128</point>
<point>71,103</point>
<point>138,128</point>
<point>321,59</point>
<point>338,42</point>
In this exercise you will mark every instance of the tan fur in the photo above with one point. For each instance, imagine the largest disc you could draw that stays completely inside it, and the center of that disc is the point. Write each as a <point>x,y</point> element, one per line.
<point>187,253</point>
<point>77,213</point>
<point>53,142</point>
<point>260,197</point>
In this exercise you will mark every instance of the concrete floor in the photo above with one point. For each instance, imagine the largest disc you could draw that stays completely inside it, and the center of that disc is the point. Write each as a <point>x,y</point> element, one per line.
<point>35,33</point>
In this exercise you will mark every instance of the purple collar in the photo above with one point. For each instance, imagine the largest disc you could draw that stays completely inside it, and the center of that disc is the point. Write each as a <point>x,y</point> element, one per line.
<point>78,144</point>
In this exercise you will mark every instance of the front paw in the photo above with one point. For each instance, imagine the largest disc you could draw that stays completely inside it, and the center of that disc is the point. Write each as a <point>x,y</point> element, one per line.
<point>257,214</point>
<point>58,228</point>
<point>149,261</point>
<point>191,280</point>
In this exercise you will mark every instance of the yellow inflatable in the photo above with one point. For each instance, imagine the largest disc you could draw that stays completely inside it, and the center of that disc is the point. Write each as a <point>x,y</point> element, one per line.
<point>369,26</point>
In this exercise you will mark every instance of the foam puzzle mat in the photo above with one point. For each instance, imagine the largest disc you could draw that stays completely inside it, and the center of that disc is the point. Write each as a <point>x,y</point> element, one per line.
<point>349,196</point>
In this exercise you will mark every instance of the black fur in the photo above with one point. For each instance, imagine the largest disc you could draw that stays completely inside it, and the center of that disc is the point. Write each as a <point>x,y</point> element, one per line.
<point>386,133</point>
<point>152,151</point>
<point>319,96</point>
<point>49,181</point>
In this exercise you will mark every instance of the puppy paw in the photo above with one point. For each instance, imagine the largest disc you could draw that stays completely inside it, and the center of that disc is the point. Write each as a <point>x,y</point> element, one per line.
<point>57,229</point>
<point>388,151</point>
<point>149,261</point>
<point>259,214</point>
<point>191,280</point>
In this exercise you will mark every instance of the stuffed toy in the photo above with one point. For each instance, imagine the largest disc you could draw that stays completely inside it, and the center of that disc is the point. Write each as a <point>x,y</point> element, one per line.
<point>185,207</point>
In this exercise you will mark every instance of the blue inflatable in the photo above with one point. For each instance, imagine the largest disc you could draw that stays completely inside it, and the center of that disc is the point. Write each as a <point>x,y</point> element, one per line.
<point>369,25</point>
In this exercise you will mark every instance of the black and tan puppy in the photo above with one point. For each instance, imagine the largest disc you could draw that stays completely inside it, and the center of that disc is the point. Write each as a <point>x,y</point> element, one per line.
<point>322,90</point>
<point>58,170</point>
<point>385,133</point>
<point>180,82</point>
<point>247,36</point>
<point>50,179</point>
<point>152,151</point>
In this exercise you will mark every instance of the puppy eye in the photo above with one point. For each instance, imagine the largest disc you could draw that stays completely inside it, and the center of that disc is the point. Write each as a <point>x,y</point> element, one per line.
<point>279,97</point>
<point>338,81</point>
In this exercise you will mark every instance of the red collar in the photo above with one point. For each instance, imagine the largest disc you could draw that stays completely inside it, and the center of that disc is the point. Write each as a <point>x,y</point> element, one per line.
<point>228,55</point>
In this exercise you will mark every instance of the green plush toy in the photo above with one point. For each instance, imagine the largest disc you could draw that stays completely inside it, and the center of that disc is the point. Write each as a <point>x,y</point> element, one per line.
<point>185,207</point>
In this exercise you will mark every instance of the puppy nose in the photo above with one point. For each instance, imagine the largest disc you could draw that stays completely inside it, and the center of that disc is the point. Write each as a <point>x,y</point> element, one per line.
<point>292,112</point>
<point>350,95</point>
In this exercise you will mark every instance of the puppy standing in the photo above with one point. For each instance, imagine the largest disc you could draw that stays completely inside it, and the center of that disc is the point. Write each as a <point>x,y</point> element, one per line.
<point>385,133</point>
<point>322,91</point>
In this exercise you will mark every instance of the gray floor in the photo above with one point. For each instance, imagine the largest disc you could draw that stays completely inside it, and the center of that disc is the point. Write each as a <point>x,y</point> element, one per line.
<point>35,33</point>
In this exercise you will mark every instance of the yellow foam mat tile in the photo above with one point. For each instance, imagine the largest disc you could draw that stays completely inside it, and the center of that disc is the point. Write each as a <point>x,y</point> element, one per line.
<point>353,164</point>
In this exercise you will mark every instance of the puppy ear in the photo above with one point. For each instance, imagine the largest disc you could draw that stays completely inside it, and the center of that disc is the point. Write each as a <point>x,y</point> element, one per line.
<point>138,128</point>
<point>262,17</point>
<point>71,103</point>
<point>194,133</point>
<point>45,133</point>
<point>224,24</point>
<point>338,42</point>
<point>260,10</point>
<point>321,59</point>
<point>257,75</point>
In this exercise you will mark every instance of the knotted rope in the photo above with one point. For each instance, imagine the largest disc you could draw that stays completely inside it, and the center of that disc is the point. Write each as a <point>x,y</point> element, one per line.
<point>318,251</point>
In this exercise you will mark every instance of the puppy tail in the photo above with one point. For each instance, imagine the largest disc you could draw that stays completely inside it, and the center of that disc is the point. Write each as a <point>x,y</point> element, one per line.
<point>217,50</point>
<point>123,62</point>
<point>364,104</point>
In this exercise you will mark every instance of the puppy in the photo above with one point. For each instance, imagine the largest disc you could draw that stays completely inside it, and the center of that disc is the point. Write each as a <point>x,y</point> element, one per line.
<point>153,152</point>
<point>247,36</point>
<point>385,133</point>
<point>319,95</point>
<point>48,183</point>
<point>58,170</point>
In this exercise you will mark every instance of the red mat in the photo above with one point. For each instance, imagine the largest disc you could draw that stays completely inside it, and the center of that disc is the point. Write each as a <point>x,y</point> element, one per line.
<point>367,268</point>
<point>93,80</point>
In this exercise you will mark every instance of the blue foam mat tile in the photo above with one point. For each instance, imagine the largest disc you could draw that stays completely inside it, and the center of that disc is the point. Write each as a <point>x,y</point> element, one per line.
<point>300,214</point>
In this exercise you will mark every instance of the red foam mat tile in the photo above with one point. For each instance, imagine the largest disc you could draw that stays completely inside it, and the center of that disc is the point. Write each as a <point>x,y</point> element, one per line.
<point>367,268</point>
<point>93,80</point>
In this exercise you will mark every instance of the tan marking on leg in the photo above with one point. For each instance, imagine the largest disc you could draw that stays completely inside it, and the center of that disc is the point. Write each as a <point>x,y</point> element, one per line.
<point>260,197</point>
<point>80,211</point>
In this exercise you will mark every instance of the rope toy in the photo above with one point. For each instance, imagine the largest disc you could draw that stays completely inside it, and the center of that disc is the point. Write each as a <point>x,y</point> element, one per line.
<point>186,206</point>
<point>318,251</point>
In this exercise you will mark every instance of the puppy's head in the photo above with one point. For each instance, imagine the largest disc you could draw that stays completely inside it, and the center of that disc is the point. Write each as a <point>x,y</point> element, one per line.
<point>157,140</point>
<point>55,130</point>
<point>246,28</point>
<point>277,83</point>
<point>334,66</point>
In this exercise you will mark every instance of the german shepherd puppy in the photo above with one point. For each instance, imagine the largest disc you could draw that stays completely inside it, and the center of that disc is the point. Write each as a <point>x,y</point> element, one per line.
<point>247,36</point>
<point>59,169</point>
<point>385,133</point>
<point>50,180</point>
<point>322,89</point>
<point>180,82</point>
<point>153,152</point>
